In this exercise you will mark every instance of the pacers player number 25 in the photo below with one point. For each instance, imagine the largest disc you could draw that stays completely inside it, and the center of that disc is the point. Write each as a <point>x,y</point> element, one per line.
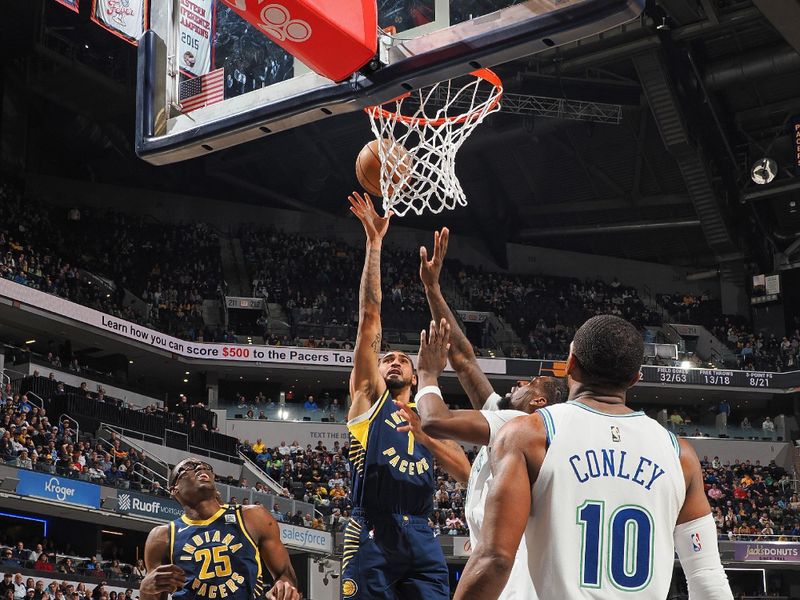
<point>627,547</point>
<point>215,556</point>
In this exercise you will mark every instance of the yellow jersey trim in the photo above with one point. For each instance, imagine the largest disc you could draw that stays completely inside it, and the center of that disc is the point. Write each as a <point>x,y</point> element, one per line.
<point>208,521</point>
<point>240,521</point>
<point>171,541</point>
<point>359,427</point>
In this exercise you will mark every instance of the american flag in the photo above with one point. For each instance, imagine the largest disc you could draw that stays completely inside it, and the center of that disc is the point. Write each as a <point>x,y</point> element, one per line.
<point>202,91</point>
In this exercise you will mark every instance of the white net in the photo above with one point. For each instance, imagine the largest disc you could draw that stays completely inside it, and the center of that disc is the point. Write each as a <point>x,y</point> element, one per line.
<point>419,146</point>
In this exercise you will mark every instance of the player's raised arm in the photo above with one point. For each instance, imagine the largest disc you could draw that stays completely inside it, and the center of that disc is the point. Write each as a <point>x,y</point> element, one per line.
<point>437,419</point>
<point>516,456</point>
<point>462,357</point>
<point>267,535</point>
<point>162,577</point>
<point>696,536</point>
<point>366,383</point>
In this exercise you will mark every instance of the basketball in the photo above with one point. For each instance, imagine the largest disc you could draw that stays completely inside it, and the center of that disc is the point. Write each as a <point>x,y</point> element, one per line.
<point>368,166</point>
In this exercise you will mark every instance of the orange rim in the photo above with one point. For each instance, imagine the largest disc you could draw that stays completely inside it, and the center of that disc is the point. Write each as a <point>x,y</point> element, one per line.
<point>486,74</point>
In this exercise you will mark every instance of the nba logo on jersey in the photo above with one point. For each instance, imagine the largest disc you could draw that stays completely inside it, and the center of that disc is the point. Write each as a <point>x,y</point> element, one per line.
<point>615,437</point>
<point>230,518</point>
<point>696,545</point>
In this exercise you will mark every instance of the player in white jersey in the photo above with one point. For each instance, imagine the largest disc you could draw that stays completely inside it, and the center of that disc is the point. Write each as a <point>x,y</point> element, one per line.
<point>607,491</point>
<point>474,426</point>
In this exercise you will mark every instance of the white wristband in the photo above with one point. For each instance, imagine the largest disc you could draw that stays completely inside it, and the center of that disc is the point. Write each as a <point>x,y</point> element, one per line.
<point>428,389</point>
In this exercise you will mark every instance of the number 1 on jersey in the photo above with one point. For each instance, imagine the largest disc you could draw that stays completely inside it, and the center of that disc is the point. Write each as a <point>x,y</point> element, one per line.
<point>630,546</point>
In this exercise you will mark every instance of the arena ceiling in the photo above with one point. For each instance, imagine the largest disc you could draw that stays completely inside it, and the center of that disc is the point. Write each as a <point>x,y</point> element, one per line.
<point>706,87</point>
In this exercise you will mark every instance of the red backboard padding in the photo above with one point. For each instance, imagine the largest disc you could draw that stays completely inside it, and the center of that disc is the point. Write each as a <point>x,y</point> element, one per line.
<point>335,38</point>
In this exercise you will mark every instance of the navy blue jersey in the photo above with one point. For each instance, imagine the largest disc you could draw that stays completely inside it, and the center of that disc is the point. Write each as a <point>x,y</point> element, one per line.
<point>392,473</point>
<point>219,557</point>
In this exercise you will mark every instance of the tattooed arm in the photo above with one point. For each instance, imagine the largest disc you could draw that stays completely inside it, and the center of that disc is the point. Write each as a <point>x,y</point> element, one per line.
<point>366,384</point>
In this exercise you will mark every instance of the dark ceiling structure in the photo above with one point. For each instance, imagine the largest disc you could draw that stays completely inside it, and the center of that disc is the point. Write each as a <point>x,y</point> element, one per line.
<point>706,88</point>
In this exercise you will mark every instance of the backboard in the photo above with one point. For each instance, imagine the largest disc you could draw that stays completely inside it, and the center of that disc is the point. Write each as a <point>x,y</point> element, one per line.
<point>261,89</point>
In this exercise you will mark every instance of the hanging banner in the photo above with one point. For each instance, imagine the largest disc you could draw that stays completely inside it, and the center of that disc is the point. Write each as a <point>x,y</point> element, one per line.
<point>71,4</point>
<point>196,32</point>
<point>796,143</point>
<point>127,19</point>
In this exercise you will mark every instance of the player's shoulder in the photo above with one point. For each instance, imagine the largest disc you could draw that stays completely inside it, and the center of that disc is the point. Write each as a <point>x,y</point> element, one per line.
<point>519,433</point>
<point>257,519</point>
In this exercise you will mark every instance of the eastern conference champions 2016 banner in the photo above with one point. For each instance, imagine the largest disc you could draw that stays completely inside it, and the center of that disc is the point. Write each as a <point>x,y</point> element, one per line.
<point>196,29</point>
<point>126,19</point>
<point>40,301</point>
<point>70,4</point>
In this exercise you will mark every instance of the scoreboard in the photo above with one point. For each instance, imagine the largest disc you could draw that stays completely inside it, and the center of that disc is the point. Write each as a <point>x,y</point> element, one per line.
<point>676,376</point>
<point>709,377</point>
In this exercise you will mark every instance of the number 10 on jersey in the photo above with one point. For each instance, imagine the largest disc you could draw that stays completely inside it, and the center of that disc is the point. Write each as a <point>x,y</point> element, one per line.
<point>625,542</point>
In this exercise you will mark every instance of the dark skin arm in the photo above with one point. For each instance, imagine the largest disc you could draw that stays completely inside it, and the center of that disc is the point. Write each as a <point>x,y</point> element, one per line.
<point>448,454</point>
<point>265,532</point>
<point>366,383</point>
<point>695,504</point>
<point>162,577</point>
<point>437,420</point>
<point>462,357</point>
<point>517,456</point>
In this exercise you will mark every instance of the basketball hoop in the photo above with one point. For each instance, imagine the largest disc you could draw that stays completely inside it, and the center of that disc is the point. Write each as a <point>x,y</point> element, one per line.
<point>436,122</point>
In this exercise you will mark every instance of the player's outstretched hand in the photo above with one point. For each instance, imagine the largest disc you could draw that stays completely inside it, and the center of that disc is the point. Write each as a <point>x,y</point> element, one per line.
<point>413,422</point>
<point>164,578</point>
<point>283,590</point>
<point>429,270</point>
<point>433,347</point>
<point>375,225</point>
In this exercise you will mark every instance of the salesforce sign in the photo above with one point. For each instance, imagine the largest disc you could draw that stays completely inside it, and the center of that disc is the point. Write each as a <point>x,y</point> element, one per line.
<point>59,489</point>
<point>162,509</point>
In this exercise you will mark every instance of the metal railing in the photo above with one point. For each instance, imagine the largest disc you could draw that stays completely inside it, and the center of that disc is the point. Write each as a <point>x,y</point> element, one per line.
<point>147,474</point>
<point>37,396</point>
<point>71,420</point>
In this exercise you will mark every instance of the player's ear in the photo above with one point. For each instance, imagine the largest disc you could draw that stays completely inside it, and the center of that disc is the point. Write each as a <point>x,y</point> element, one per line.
<point>635,380</point>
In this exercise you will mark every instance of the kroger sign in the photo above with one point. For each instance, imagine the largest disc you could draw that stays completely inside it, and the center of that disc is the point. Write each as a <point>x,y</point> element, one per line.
<point>59,489</point>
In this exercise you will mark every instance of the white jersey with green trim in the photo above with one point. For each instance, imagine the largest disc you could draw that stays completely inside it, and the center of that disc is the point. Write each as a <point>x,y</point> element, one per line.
<point>519,585</point>
<point>604,506</point>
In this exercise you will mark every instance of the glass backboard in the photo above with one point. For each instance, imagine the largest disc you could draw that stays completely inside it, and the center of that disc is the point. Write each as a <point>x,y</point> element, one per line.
<point>255,88</point>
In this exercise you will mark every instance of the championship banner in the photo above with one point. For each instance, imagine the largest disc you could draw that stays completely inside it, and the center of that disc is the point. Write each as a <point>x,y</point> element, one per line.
<point>196,31</point>
<point>767,551</point>
<point>796,144</point>
<point>127,19</point>
<point>70,4</point>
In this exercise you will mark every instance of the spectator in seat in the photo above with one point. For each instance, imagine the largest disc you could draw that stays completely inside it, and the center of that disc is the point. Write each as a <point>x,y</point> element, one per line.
<point>39,592</point>
<point>20,553</point>
<point>30,593</point>
<point>746,424</point>
<point>8,559</point>
<point>6,585</point>
<point>67,567</point>
<point>42,563</point>
<point>20,589</point>
<point>768,426</point>
<point>115,570</point>
<point>23,461</point>
<point>310,403</point>
<point>283,449</point>
<point>139,570</point>
<point>297,518</point>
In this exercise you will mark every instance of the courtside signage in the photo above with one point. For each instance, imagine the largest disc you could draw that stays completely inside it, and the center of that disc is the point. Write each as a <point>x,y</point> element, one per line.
<point>307,539</point>
<point>163,509</point>
<point>59,489</point>
<point>225,352</point>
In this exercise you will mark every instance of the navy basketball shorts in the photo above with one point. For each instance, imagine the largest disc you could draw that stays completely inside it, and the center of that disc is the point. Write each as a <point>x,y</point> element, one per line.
<point>394,557</point>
